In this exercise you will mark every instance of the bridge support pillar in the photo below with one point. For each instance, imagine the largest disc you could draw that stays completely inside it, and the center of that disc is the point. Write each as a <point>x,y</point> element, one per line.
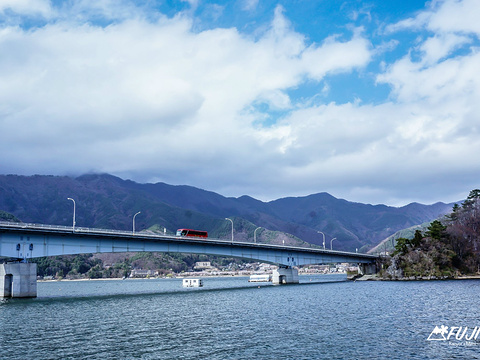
<point>18,280</point>
<point>367,269</point>
<point>285,275</point>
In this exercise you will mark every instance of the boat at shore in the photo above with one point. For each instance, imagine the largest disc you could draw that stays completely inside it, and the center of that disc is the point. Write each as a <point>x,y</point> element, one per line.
<point>192,282</point>
<point>260,278</point>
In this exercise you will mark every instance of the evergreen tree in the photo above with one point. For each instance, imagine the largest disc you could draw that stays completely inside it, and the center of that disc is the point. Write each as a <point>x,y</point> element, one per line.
<point>436,230</point>
<point>417,239</point>
<point>401,246</point>
<point>472,199</point>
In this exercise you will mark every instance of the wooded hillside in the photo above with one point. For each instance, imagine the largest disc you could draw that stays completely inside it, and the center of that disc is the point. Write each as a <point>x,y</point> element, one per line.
<point>449,248</point>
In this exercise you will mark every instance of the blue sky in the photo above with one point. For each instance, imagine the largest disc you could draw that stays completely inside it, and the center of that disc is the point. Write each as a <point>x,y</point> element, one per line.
<point>371,101</point>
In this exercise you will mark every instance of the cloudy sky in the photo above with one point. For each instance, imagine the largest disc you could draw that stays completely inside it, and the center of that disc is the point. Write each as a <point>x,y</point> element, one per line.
<point>372,101</point>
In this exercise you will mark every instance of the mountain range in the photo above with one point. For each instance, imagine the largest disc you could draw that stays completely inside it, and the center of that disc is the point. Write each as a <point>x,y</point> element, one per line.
<point>106,201</point>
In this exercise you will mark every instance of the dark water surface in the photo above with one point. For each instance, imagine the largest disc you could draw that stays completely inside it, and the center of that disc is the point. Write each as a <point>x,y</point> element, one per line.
<point>229,318</point>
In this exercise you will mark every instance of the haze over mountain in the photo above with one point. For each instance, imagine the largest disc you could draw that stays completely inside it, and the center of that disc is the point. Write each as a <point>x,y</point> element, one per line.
<point>106,201</point>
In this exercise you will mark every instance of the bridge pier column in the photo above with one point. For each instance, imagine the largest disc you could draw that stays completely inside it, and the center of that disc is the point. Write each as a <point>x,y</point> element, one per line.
<point>367,269</point>
<point>285,275</point>
<point>18,280</point>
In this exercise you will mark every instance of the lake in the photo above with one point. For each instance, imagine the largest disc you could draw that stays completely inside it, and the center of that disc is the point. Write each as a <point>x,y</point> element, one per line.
<point>323,317</point>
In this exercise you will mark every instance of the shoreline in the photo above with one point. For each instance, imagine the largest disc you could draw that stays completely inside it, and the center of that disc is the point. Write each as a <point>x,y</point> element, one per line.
<point>423,278</point>
<point>173,277</point>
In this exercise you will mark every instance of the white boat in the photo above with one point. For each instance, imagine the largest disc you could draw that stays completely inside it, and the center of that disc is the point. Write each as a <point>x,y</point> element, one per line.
<point>192,282</point>
<point>260,278</point>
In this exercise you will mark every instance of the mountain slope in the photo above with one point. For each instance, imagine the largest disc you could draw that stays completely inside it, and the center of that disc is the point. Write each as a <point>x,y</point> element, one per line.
<point>110,202</point>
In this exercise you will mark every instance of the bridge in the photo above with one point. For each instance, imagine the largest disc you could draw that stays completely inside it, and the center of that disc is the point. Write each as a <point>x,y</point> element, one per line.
<point>21,242</point>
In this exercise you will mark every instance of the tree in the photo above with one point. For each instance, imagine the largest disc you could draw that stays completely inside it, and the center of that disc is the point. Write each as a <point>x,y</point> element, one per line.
<point>436,230</point>
<point>472,199</point>
<point>95,272</point>
<point>4,216</point>
<point>474,195</point>
<point>455,212</point>
<point>417,239</point>
<point>401,246</point>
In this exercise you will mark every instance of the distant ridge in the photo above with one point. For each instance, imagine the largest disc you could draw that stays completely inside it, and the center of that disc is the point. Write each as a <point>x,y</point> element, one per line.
<point>107,201</point>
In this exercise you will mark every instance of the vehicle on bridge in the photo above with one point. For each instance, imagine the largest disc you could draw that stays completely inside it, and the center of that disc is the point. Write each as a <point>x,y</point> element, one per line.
<point>192,233</point>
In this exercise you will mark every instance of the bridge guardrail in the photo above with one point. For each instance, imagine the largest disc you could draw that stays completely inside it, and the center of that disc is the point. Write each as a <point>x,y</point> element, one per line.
<point>34,226</point>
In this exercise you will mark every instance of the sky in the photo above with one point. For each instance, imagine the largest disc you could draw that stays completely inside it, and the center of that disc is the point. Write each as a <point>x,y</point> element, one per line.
<point>375,101</point>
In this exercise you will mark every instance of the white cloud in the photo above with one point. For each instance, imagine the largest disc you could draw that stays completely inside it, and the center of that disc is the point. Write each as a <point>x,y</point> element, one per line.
<point>156,100</point>
<point>95,10</point>
<point>249,5</point>
<point>441,92</point>
<point>276,99</point>
<point>85,86</point>
<point>440,77</point>
<point>456,16</point>
<point>27,7</point>
<point>445,16</point>
<point>437,47</point>
<point>334,56</point>
<point>414,23</point>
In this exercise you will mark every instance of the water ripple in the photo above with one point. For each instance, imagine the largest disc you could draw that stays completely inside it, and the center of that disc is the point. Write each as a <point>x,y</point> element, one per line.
<point>232,319</point>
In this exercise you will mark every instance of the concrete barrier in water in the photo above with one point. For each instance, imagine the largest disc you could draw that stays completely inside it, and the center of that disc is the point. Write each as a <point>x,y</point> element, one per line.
<point>18,280</point>
<point>285,275</point>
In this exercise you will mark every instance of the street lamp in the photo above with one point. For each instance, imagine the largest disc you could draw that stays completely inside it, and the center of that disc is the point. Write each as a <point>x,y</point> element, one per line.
<point>255,235</point>
<point>232,226</point>
<point>73,226</point>
<point>331,243</point>
<point>323,239</point>
<point>133,225</point>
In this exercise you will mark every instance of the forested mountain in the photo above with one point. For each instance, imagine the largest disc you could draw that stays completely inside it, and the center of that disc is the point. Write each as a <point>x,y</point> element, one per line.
<point>106,201</point>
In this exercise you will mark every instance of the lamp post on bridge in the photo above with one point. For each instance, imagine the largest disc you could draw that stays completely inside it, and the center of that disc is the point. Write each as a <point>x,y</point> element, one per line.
<point>331,243</point>
<point>74,206</point>
<point>133,225</point>
<point>232,226</point>
<point>323,239</point>
<point>255,235</point>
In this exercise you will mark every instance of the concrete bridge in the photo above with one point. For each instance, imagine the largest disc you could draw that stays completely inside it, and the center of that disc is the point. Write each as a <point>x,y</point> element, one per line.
<point>22,242</point>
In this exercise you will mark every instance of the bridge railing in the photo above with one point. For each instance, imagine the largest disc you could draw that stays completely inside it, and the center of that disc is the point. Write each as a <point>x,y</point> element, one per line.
<point>34,226</point>
<point>60,227</point>
<point>77,229</point>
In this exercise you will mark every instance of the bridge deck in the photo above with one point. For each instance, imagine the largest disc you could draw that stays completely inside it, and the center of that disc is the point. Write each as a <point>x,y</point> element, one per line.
<point>20,240</point>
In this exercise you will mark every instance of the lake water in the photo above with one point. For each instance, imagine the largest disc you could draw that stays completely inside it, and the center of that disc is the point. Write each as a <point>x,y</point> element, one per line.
<point>323,317</point>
